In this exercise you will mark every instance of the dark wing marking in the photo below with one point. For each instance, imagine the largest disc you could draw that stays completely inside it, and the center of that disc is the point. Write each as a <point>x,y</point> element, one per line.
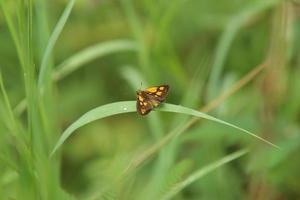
<point>143,104</point>
<point>158,92</point>
<point>150,98</point>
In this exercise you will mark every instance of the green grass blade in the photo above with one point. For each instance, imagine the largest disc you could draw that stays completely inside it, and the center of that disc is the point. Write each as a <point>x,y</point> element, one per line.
<point>138,33</point>
<point>12,28</point>
<point>79,59</point>
<point>188,111</point>
<point>202,172</point>
<point>130,106</point>
<point>175,174</point>
<point>42,28</point>
<point>53,38</point>
<point>10,115</point>
<point>231,30</point>
<point>20,107</point>
<point>91,53</point>
<point>134,78</point>
<point>9,118</point>
<point>94,114</point>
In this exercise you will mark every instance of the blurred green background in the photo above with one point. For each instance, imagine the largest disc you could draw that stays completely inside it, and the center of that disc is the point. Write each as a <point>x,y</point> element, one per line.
<point>236,60</point>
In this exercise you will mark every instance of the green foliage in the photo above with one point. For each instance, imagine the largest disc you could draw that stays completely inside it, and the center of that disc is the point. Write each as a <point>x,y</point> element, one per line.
<point>199,173</point>
<point>236,61</point>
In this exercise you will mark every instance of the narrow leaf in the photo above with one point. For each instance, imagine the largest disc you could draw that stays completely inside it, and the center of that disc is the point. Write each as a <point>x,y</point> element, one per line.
<point>54,36</point>
<point>91,53</point>
<point>130,106</point>
<point>202,172</point>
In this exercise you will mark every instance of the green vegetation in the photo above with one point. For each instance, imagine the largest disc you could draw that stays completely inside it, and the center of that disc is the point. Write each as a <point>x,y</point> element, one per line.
<point>68,123</point>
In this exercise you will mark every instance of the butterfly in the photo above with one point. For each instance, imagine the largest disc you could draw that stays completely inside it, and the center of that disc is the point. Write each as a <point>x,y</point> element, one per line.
<point>150,98</point>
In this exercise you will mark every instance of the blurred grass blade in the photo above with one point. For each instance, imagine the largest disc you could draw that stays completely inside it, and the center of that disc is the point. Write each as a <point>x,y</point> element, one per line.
<point>79,59</point>
<point>202,172</point>
<point>192,97</point>
<point>91,53</point>
<point>236,23</point>
<point>94,114</point>
<point>53,38</point>
<point>175,174</point>
<point>130,106</point>
<point>133,76</point>
<point>188,111</point>
<point>20,107</point>
<point>12,28</point>
<point>155,124</point>
<point>6,158</point>
<point>10,118</point>
<point>42,28</point>
<point>138,33</point>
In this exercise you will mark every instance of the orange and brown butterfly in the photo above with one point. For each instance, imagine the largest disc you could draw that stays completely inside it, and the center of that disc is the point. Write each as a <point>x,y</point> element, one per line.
<point>150,98</point>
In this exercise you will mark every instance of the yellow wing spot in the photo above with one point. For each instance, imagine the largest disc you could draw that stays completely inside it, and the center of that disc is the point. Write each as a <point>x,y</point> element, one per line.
<point>155,104</point>
<point>143,110</point>
<point>145,103</point>
<point>141,103</point>
<point>141,98</point>
<point>161,88</point>
<point>159,93</point>
<point>152,89</point>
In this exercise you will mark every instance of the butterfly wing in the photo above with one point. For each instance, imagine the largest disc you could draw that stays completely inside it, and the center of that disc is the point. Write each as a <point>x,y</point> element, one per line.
<point>143,104</point>
<point>150,98</point>
<point>158,93</point>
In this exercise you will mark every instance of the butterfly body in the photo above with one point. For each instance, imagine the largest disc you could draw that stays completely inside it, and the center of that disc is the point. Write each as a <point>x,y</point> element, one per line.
<point>150,98</point>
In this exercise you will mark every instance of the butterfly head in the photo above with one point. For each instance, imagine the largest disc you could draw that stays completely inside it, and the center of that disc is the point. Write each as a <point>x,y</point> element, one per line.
<point>138,92</point>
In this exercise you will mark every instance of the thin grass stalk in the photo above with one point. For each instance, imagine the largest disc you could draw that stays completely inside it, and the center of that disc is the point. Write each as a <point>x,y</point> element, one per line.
<point>136,162</point>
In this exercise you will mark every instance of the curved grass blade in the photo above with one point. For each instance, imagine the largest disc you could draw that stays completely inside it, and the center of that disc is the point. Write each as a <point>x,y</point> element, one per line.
<point>91,53</point>
<point>54,36</point>
<point>94,114</point>
<point>9,118</point>
<point>188,111</point>
<point>79,59</point>
<point>227,38</point>
<point>130,106</point>
<point>202,172</point>
<point>133,77</point>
